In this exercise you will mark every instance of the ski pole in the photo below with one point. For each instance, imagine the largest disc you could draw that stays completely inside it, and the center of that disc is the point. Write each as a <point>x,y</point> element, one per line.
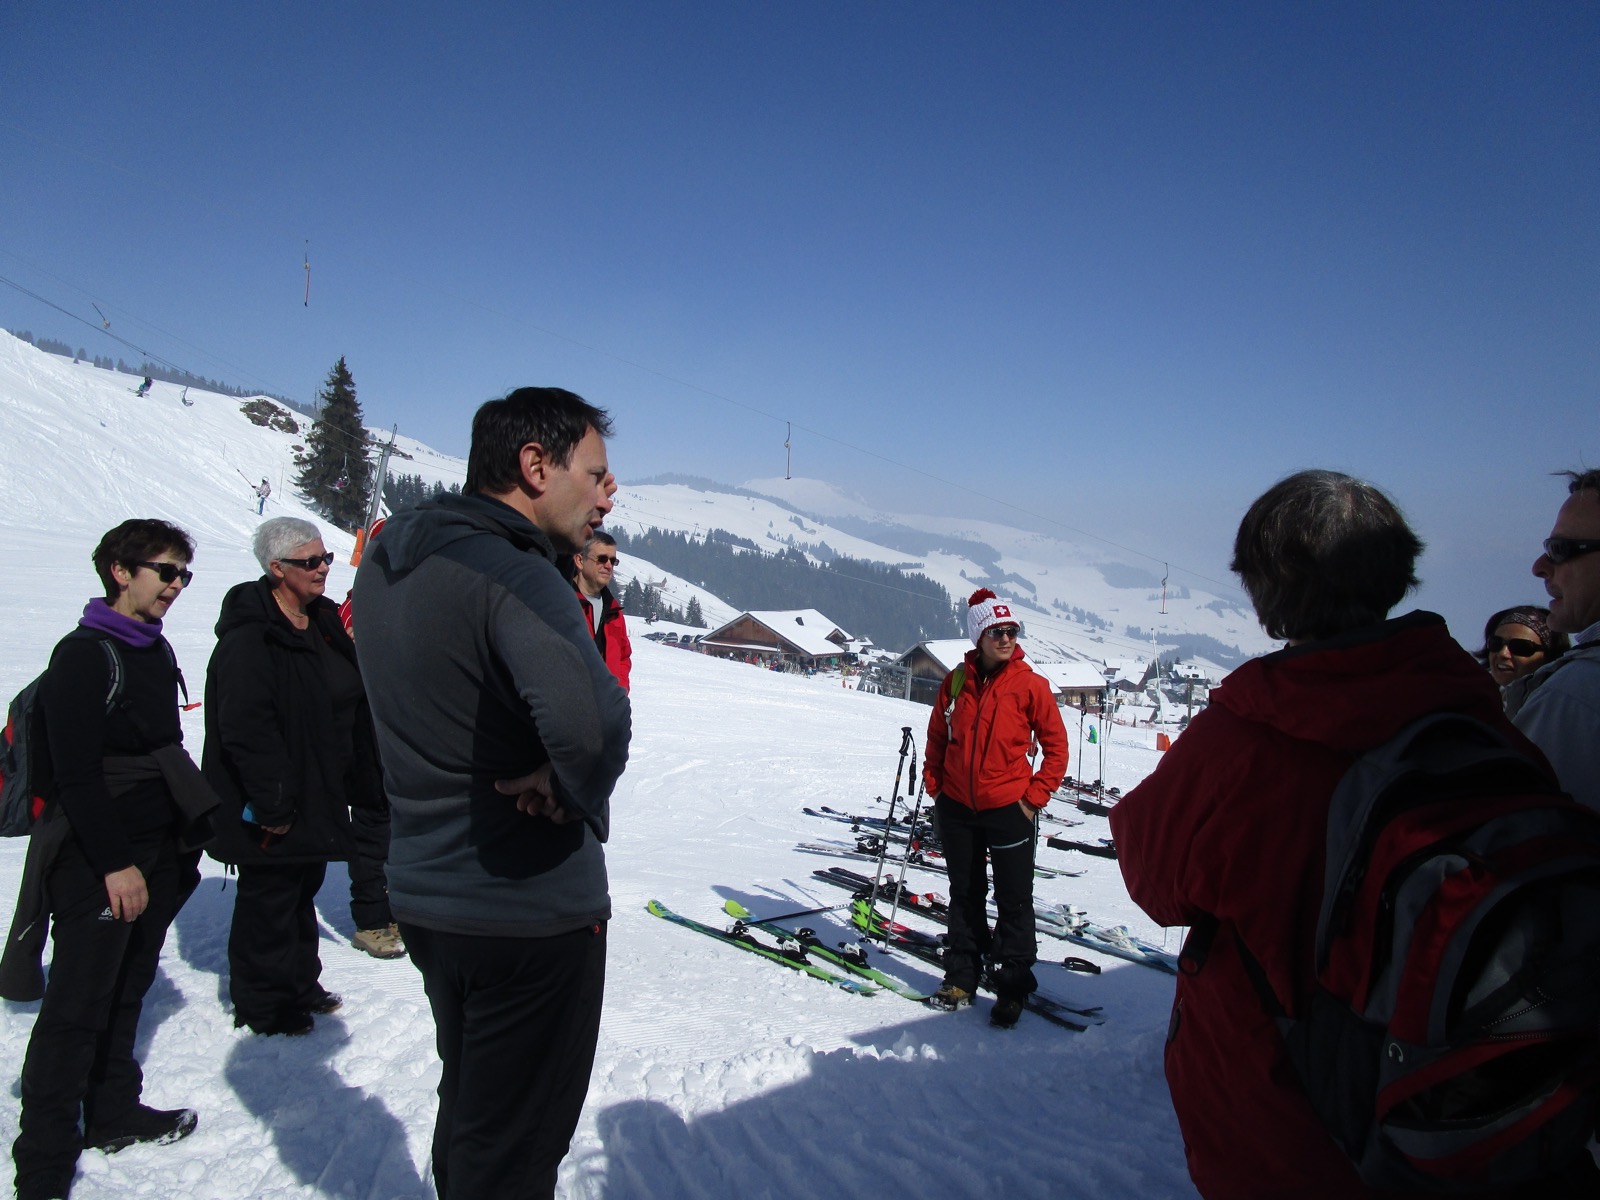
<point>911,842</point>
<point>734,909</point>
<point>883,852</point>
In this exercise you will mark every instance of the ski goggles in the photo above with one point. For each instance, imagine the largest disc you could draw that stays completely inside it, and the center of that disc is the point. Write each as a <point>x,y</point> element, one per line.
<point>310,564</point>
<point>1559,549</point>
<point>1519,647</point>
<point>168,572</point>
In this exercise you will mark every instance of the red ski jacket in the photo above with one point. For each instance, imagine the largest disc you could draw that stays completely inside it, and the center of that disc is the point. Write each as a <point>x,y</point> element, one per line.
<point>1233,823</point>
<point>977,751</point>
<point>612,640</point>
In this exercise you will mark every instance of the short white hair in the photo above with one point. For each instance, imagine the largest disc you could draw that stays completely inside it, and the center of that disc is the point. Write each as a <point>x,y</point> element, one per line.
<point>277,537</point>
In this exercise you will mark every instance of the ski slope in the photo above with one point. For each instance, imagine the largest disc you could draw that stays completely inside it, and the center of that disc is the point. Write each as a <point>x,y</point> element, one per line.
<point>717,1074</point>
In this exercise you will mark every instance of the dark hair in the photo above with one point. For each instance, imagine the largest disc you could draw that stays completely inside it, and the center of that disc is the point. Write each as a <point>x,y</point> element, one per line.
<point>136,541</point>
<point>554,417</point>
<point>1320,553</point>
<point>602,537</point>
<point>1583,481</point>
<point>1536,618</point>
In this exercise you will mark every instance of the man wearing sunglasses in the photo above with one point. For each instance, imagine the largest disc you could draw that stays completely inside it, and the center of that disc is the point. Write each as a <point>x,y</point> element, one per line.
<point>1562,712</point>
<point>596,565</point>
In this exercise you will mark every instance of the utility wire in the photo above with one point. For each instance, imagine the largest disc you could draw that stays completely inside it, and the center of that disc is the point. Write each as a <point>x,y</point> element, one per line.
<point>472,302</point>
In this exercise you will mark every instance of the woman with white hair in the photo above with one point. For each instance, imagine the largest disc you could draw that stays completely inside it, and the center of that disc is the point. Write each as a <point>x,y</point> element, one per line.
<point>289,747</point>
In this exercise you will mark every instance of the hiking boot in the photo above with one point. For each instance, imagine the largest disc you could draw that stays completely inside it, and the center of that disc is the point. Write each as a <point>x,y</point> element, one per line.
<point>144,1124</point>
<point>380,943</point>
<point>35,1187</point>
<point>949,997</point>
<point>289,1023</point>
<point>322,1005</point>
<point>1005,1012</point>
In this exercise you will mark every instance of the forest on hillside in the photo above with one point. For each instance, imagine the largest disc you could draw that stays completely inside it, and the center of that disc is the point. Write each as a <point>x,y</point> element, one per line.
<point>894,608</point>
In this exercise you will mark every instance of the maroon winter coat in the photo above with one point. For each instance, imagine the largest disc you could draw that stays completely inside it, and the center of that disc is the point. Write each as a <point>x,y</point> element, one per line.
<point>1233,823</point>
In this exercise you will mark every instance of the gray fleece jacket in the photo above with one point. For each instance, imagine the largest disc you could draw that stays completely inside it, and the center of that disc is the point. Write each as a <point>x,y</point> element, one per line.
<point>479,667</point>
<point>1561,715</point>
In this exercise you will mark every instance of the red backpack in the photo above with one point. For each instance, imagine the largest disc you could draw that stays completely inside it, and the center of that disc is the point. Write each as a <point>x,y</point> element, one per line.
<point>1452,1042</point>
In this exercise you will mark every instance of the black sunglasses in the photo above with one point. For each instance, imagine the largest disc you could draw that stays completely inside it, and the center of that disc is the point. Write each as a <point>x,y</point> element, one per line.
<point>1519,647</point>
<point>604,558</point>
<point>310,564</point>
<point>167,572</point>
<point>1001,631</point>
<point>1559,549</point>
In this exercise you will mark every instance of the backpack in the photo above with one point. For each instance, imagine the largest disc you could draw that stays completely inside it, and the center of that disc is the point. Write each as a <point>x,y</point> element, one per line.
<point>1451,1043</point>
<point>26,783</point>
<point>958,679</point>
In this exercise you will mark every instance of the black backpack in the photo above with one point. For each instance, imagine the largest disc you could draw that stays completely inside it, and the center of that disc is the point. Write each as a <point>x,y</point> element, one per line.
<point>1452,1042</point>
<point>26,781</point>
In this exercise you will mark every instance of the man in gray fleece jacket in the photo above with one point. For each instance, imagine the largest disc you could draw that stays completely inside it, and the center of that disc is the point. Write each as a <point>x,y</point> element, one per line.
<point>502,734</point>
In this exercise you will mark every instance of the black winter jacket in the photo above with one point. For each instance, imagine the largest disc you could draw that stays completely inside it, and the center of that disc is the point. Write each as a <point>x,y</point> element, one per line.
<point>269,740</point>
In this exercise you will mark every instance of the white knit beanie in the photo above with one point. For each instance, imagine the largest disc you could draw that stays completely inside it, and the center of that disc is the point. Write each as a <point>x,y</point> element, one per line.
<point>985,609</point>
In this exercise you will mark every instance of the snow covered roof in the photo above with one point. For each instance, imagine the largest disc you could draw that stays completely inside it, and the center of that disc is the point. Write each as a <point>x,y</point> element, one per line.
<point>1073,675</point>
<point>947,652</point>
<point>1128,670</point>
<point>806,628</point>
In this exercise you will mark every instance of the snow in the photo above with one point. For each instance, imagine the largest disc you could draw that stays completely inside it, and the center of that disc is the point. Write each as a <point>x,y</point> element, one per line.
<point>717,1074</point>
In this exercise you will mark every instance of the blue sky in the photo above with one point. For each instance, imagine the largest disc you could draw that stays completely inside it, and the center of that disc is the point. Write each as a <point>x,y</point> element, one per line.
<point>1120,266</point>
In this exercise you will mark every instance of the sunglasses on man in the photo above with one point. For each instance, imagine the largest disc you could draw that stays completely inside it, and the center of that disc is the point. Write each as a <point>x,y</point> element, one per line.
<point>1519,647</point>
<point>168,572</point>
<point>604,558</point>
<point>1560,549</point>
<point>309,564</point>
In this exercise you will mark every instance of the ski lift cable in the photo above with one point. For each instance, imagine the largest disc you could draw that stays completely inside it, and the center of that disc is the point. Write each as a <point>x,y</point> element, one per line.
<point>472,302</point>
<point>238,371</point>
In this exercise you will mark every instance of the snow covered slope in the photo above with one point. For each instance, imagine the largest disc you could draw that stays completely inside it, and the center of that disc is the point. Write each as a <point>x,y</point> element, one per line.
<point>1048,576</point>
<point>718,1074</point>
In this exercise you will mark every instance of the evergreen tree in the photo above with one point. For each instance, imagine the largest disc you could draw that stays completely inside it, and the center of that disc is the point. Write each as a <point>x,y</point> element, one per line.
<point>692,615</point>
<point>335,473</point>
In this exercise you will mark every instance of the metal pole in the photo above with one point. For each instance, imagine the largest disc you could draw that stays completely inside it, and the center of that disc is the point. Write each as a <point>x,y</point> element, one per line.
<point>911,841</point>
<point>383,474</point>
<point>883,852</point>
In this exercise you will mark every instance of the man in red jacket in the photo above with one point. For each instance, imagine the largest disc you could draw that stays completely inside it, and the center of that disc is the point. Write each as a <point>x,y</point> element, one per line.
<point>596,565</point>
<point>1233,823</point>
<point>989,715</point>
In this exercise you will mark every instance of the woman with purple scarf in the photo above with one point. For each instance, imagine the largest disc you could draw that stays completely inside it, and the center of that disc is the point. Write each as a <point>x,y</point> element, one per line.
<point>126,800</point>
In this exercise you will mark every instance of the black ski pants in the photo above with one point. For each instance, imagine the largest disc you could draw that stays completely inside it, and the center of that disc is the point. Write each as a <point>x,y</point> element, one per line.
<point>369,878</point>
<point>273,967</point>
<point>80,1055</point>
<point>516,1023</point>
<point>1006,837</point>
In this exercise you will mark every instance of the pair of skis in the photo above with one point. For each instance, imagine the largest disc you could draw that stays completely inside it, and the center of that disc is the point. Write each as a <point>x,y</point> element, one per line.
<point>845,966</point>
<point>931,950</point>
<point>1062,921</point>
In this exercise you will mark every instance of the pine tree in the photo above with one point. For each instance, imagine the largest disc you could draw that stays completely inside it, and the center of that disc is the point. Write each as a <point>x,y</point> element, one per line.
<point>336,475</point>
<point>692,615</point>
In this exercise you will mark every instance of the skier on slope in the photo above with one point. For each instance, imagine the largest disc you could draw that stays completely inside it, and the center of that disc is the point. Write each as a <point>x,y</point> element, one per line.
<point>262,493</point>
<point>144,388</point>
<point>989,714</point>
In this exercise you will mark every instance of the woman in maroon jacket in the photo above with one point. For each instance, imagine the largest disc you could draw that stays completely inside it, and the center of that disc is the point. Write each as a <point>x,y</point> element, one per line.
<point>1233,822</point>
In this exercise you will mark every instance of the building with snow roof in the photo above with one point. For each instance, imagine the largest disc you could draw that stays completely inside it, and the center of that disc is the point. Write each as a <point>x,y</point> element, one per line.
<point>799,635</point>
<point>1080,684</point>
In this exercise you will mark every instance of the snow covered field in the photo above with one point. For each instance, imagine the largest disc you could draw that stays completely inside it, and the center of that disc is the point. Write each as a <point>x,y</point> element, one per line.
<point>718,1074</point>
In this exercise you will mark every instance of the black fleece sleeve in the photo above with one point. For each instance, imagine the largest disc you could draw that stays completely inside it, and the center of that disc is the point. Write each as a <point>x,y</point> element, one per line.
<point>248,726</point>
<point>73,698</point>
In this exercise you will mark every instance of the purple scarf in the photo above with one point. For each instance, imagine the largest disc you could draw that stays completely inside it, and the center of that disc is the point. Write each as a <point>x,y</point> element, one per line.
<point>97,614</point>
